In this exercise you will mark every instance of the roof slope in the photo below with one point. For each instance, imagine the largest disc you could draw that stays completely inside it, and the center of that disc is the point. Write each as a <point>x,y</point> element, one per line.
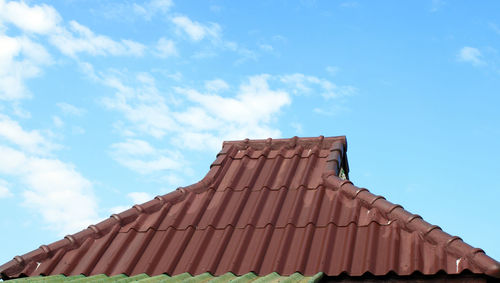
<point>265,206</point>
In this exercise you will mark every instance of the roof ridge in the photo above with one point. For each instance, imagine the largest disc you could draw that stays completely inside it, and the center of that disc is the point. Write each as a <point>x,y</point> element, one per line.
<point>306,142</point>
<point>414,222</point>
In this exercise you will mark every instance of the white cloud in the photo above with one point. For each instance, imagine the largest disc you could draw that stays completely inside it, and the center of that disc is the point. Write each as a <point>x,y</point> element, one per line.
<point>471,55</point>
<point>332,70</point>
<point>141,157</point>
<point>20,59</point>
<point>129,11</point>
<point>195,30</point>
<point>245,54</point>
<point>139,197</point>
<point>165,48</point>
<point>55,190</point>
<point>62,196</point>
<point>70,109</point>
<point>331,110</point>
<point>323,111</point>
<point>144,107</point>
<point>303,84</point>
<point>40,19</point>
<point>44,19</point>
<point>266,47</point>
<point>203,117</point>
<point>206,118</point>
<point>297,127</point>
<point>216,85</point>
<point>162,5</point>
<point>30,141</point>
<point>82,40</point>
<point>255,102</point>
<point>134,147</point>
<point>118,209</point>
<point>4,190</point>
<point>214,118</point>
<point>57,121</point>
<point>149,9</point>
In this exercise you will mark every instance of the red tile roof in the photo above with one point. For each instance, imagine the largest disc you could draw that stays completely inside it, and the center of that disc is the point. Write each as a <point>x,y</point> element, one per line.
<point>265,206</point>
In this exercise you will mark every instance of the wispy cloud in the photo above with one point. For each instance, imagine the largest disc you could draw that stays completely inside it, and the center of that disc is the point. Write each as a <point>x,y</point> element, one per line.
<point>266,47</point>
<point>20,59</point>
<point>4,190</point>
<point>297,127</point>
<point>132,11</point>
<point>30,141</point>
<point>209,117</point>
<point>249,113</point>
<point>80,39</point>
<point>58,122</point>
<point>44,19</point>
<point>470,55</point>
<point>195,30</point>
<point>54,189</point>
<point>165,48</point>
<point>149,9</point>
<point>141,157</point>
<point>332,70</point>
<point>216,85</point>
<point>205,117</point>
<point>139,197</point>
<point>303,84</point>
<point>70,109</point>
<point>143,106</point>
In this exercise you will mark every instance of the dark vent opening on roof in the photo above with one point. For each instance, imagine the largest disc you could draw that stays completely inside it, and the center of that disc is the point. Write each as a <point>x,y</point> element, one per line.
<point>344,168</point>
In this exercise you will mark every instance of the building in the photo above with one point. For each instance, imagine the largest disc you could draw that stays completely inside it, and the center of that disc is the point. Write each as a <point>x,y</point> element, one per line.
<point>267,210</point>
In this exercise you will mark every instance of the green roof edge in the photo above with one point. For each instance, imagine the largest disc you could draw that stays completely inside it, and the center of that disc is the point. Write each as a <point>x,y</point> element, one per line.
<point>184,277</point>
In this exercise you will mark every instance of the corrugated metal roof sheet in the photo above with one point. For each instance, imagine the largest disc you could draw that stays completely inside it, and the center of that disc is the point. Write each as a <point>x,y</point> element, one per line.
<point>184,277</point>
<point>265,206</point>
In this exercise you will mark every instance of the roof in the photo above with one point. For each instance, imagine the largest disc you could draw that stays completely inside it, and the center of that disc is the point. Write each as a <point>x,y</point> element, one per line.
<point>264,206</point>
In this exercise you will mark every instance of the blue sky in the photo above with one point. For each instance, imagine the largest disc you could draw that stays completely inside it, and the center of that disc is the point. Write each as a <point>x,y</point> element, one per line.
<point>104,104</point>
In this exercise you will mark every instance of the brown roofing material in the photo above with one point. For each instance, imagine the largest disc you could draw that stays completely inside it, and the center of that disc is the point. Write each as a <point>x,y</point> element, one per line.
<point>264,206</point>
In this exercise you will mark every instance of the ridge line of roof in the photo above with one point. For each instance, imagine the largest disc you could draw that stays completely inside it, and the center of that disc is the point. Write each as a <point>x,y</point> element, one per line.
<point>414,222</point>
<point>306,142</point>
